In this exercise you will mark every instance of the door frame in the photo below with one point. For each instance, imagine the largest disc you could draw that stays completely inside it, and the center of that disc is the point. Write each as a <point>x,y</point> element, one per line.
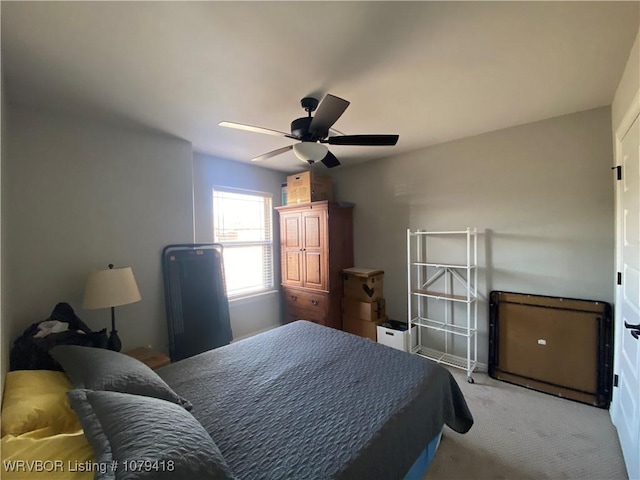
<point>633,111</point>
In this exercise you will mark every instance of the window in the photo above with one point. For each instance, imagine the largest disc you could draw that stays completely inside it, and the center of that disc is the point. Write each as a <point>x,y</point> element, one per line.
<point>242,224</point>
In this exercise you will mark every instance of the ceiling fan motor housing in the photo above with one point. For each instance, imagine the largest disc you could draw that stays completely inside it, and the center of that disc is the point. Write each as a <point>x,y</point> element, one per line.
<point>300,129</point>
<point>300,126</point>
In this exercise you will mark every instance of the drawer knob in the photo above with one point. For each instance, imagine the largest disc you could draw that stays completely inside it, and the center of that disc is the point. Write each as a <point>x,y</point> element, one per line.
<point>294,298</point>
<point>314,303</point>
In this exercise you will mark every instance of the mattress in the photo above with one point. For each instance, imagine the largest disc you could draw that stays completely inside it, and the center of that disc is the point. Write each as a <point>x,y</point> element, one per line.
<point>307,401</point>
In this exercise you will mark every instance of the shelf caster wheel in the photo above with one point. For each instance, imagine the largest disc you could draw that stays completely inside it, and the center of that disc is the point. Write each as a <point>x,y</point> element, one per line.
<point>470,380</point>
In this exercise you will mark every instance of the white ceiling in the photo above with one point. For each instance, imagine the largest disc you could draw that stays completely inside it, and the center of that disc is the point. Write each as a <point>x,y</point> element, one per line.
<point>428,71</point>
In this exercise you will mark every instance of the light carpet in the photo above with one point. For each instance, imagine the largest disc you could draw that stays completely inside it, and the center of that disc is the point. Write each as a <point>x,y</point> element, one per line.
<point>523,434</point>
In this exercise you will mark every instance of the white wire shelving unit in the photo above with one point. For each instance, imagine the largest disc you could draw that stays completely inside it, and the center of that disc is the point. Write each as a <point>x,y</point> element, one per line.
<point>452,285</point>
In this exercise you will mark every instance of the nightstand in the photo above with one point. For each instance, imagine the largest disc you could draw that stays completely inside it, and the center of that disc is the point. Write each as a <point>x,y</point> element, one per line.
<point>151,358</point>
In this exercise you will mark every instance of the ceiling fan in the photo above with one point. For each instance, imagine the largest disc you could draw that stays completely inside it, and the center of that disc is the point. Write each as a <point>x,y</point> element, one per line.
<point>314,132</point>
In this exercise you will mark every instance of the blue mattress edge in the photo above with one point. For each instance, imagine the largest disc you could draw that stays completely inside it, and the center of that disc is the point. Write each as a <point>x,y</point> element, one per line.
<point>421,465</point>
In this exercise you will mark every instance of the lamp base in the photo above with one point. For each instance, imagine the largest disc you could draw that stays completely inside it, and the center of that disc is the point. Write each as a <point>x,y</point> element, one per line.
<point>114,341</point>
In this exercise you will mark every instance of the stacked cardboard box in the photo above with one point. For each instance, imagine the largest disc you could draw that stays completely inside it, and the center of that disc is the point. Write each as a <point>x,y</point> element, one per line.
<point>363,304</point>
<point>308,187</point>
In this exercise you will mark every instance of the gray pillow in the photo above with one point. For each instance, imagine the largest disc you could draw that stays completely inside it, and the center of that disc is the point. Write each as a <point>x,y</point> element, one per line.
<point>144,438</point>
<point>100,369</point>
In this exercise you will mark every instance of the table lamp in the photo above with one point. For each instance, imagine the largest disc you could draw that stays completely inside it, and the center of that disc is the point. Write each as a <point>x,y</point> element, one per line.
<point>109,289</point>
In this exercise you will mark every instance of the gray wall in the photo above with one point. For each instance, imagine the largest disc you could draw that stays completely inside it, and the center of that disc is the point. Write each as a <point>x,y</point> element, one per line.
<point>541,195</point>
<point>258,313</point>
<point>628,85</point>
<point>4,323</point>
<point>78,195</point>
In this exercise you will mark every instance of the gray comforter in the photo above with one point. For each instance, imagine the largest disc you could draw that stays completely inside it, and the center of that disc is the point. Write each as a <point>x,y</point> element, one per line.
<point>304,401</point>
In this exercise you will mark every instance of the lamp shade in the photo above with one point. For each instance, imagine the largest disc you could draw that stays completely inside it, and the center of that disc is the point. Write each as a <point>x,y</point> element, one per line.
<point>306,151</point>
<point>111,288</point>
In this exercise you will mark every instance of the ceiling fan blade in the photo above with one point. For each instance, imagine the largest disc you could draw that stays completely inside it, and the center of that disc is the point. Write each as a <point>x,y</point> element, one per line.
<point>369,140</point>
<point>330,160</point>
<point>251,128</point>
<point>272,153</point>
<point>327,114</point>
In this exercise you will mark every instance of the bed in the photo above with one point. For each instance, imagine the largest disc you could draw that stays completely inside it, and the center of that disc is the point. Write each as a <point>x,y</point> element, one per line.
<point>301,401</point>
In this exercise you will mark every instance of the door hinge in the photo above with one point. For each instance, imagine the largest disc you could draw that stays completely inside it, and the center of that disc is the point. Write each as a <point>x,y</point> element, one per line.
<point>618,170</point>
<point>619,281</point>
<point>615,380</point>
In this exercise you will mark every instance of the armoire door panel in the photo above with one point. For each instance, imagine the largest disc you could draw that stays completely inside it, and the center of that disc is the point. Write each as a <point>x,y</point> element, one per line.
<point>313,270</point>
<point>291,237</point>
<point>313,222</point>
<point>292,267</point>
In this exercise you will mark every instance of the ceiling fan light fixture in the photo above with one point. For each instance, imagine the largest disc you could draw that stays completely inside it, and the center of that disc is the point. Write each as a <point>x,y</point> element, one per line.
<point>310,151</point>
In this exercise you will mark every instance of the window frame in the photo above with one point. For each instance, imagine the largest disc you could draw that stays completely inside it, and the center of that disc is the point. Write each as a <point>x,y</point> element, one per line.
<point>226,244</point>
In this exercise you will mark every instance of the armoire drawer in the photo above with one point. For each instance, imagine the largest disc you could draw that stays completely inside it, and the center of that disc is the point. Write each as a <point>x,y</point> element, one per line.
<point>310,315</point>
<point>295,300</point>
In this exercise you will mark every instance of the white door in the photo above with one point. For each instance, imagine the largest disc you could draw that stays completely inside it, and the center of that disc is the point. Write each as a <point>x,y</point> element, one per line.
<point>625,409</point>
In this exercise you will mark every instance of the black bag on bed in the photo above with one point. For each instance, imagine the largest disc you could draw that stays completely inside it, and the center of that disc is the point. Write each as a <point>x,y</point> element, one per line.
<point>31,353</point>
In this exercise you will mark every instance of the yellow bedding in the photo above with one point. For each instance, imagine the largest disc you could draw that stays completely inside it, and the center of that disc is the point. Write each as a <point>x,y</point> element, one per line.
<point>35,399</point>
<point>41,435</point>
<point>41,454</point>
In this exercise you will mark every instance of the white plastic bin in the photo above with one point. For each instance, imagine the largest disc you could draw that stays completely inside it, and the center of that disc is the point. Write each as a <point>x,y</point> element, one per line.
<point>397,336</point>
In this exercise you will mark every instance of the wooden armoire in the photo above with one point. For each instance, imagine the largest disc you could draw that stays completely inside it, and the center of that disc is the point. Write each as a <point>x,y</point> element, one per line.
<point>316,242</point>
